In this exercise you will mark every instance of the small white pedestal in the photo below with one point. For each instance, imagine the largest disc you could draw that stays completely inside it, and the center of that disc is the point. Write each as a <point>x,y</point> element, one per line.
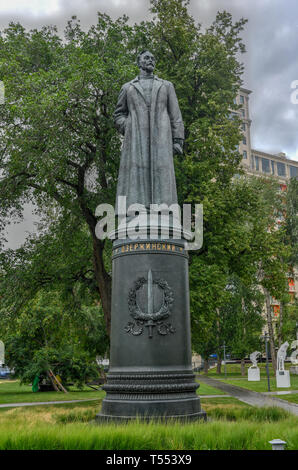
<point>283,379</point>
<point>253,374</point>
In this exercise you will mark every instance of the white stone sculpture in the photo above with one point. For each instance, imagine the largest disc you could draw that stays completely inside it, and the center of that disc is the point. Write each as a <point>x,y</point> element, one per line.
<point>282,375</point>
<point>254,358</point>
<point>254,371</point>
<point>294,355</point>
<point>294,358</point>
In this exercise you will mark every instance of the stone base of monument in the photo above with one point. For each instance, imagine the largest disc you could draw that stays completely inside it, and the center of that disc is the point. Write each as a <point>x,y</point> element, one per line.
<point>151,397</point>
<point>283,379</point>
<point>294,370</point>
<point>150,376</point>
<point>253,374</point>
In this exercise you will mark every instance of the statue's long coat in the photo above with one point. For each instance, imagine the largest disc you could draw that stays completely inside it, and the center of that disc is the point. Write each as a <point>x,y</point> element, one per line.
<point>146,173</point>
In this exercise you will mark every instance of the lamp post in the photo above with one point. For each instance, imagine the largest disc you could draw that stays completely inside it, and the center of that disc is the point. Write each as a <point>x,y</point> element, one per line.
<point>267,361</point>
<point>224,348</point>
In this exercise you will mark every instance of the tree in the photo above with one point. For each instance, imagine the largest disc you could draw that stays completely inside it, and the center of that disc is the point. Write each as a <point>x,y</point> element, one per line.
<point>56,125</point>
<point>60,152</point>
<point>275,256</point>
<point>291,220</point>
<point>53,334</point>
<point>242,319</point>
<point>50,314</point>
<point>288,318</point>
<point>59,149</point>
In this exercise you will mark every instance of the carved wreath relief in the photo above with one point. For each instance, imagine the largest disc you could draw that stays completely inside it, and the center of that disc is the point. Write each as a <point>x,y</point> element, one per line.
<point>147,317</point>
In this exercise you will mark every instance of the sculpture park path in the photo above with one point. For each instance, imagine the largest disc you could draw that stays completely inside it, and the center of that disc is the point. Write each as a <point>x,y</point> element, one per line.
<point>248,396</point>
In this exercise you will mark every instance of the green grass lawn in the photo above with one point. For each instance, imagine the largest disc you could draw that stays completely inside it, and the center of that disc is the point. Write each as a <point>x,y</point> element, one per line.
<point>232,426</point>
<point>234,377</point>
<point>234,371</point>
<point>293,398</point>
<point>13,392</point>
<point>209,404</point>
<point>205,389</point>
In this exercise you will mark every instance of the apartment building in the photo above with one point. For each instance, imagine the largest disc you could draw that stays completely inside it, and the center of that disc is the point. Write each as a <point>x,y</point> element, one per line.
<point>258,163</point>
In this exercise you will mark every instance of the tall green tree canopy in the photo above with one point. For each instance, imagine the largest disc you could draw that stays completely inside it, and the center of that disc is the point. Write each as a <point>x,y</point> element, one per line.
<point>60,152</point>
<point>51,333</point>
<point>59,148</point>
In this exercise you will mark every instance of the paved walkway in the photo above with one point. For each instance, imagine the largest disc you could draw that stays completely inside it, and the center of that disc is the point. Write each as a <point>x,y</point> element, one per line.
<point>61,402</point>
<point>215,396</point>
<point>248,396</point>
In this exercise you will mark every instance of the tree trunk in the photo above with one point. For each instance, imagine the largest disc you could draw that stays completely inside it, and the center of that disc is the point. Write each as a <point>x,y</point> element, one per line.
<point>280,324</point>
<point>52,381</point>
<point>219,359</point>
<point>219,363</point>
<point>206,366</point>
<point>243,367</point>
<point>270,329</point>
<point>103,279</point>
<point>103,282</point>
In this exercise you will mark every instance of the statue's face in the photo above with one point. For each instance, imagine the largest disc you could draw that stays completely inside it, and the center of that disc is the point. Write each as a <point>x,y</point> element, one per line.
<point>147,61</point>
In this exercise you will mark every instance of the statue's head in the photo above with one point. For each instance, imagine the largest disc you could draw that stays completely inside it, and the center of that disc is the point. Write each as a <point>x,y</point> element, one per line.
<point>146,61</point>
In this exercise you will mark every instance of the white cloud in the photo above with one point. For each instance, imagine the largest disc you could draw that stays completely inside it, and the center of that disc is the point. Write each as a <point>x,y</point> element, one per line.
<point>31,7</point>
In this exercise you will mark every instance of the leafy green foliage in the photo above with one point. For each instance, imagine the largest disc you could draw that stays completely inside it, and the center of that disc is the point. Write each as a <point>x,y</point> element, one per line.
<point>291,220</point>
<point>60,152</point>
<point>51,334</point>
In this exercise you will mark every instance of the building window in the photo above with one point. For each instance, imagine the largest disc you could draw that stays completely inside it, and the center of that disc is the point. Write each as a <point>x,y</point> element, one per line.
<point>243,112</point>
<point>257,163</point>
<point>241,99</point>
<point>281,169</point>
<point>293,171</point>
<point>244,126</point>
<point>245,154</point>
<point>276,310</point>
<point>291,285</point>
<point>265,165</point>
<point>244,140</point>
<point>272,167</point>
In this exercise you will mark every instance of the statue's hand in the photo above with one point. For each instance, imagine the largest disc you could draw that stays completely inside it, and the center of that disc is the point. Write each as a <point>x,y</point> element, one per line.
<point>178,150</point>
<point>120,125</point>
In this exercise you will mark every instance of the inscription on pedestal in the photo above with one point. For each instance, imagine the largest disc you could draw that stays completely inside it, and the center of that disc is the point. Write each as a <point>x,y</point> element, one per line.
<point>148,247</point>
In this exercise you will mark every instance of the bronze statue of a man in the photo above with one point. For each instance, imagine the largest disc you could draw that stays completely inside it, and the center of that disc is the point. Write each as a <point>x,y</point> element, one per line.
<point>148,116</point>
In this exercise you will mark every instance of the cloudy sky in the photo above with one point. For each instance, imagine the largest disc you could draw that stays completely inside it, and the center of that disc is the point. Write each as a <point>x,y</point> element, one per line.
<point>271,61</point>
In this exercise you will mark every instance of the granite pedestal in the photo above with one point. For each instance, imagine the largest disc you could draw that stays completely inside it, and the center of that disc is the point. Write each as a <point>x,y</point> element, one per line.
<point>253,374</point>
<point>150,374</point>
<point>283,379</point>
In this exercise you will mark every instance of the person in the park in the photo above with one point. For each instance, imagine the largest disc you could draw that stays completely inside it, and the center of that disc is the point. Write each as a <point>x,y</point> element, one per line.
<point>148,116</point>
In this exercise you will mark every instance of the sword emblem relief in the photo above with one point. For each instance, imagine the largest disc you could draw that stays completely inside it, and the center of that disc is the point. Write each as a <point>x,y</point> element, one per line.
<point>145,313</point>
